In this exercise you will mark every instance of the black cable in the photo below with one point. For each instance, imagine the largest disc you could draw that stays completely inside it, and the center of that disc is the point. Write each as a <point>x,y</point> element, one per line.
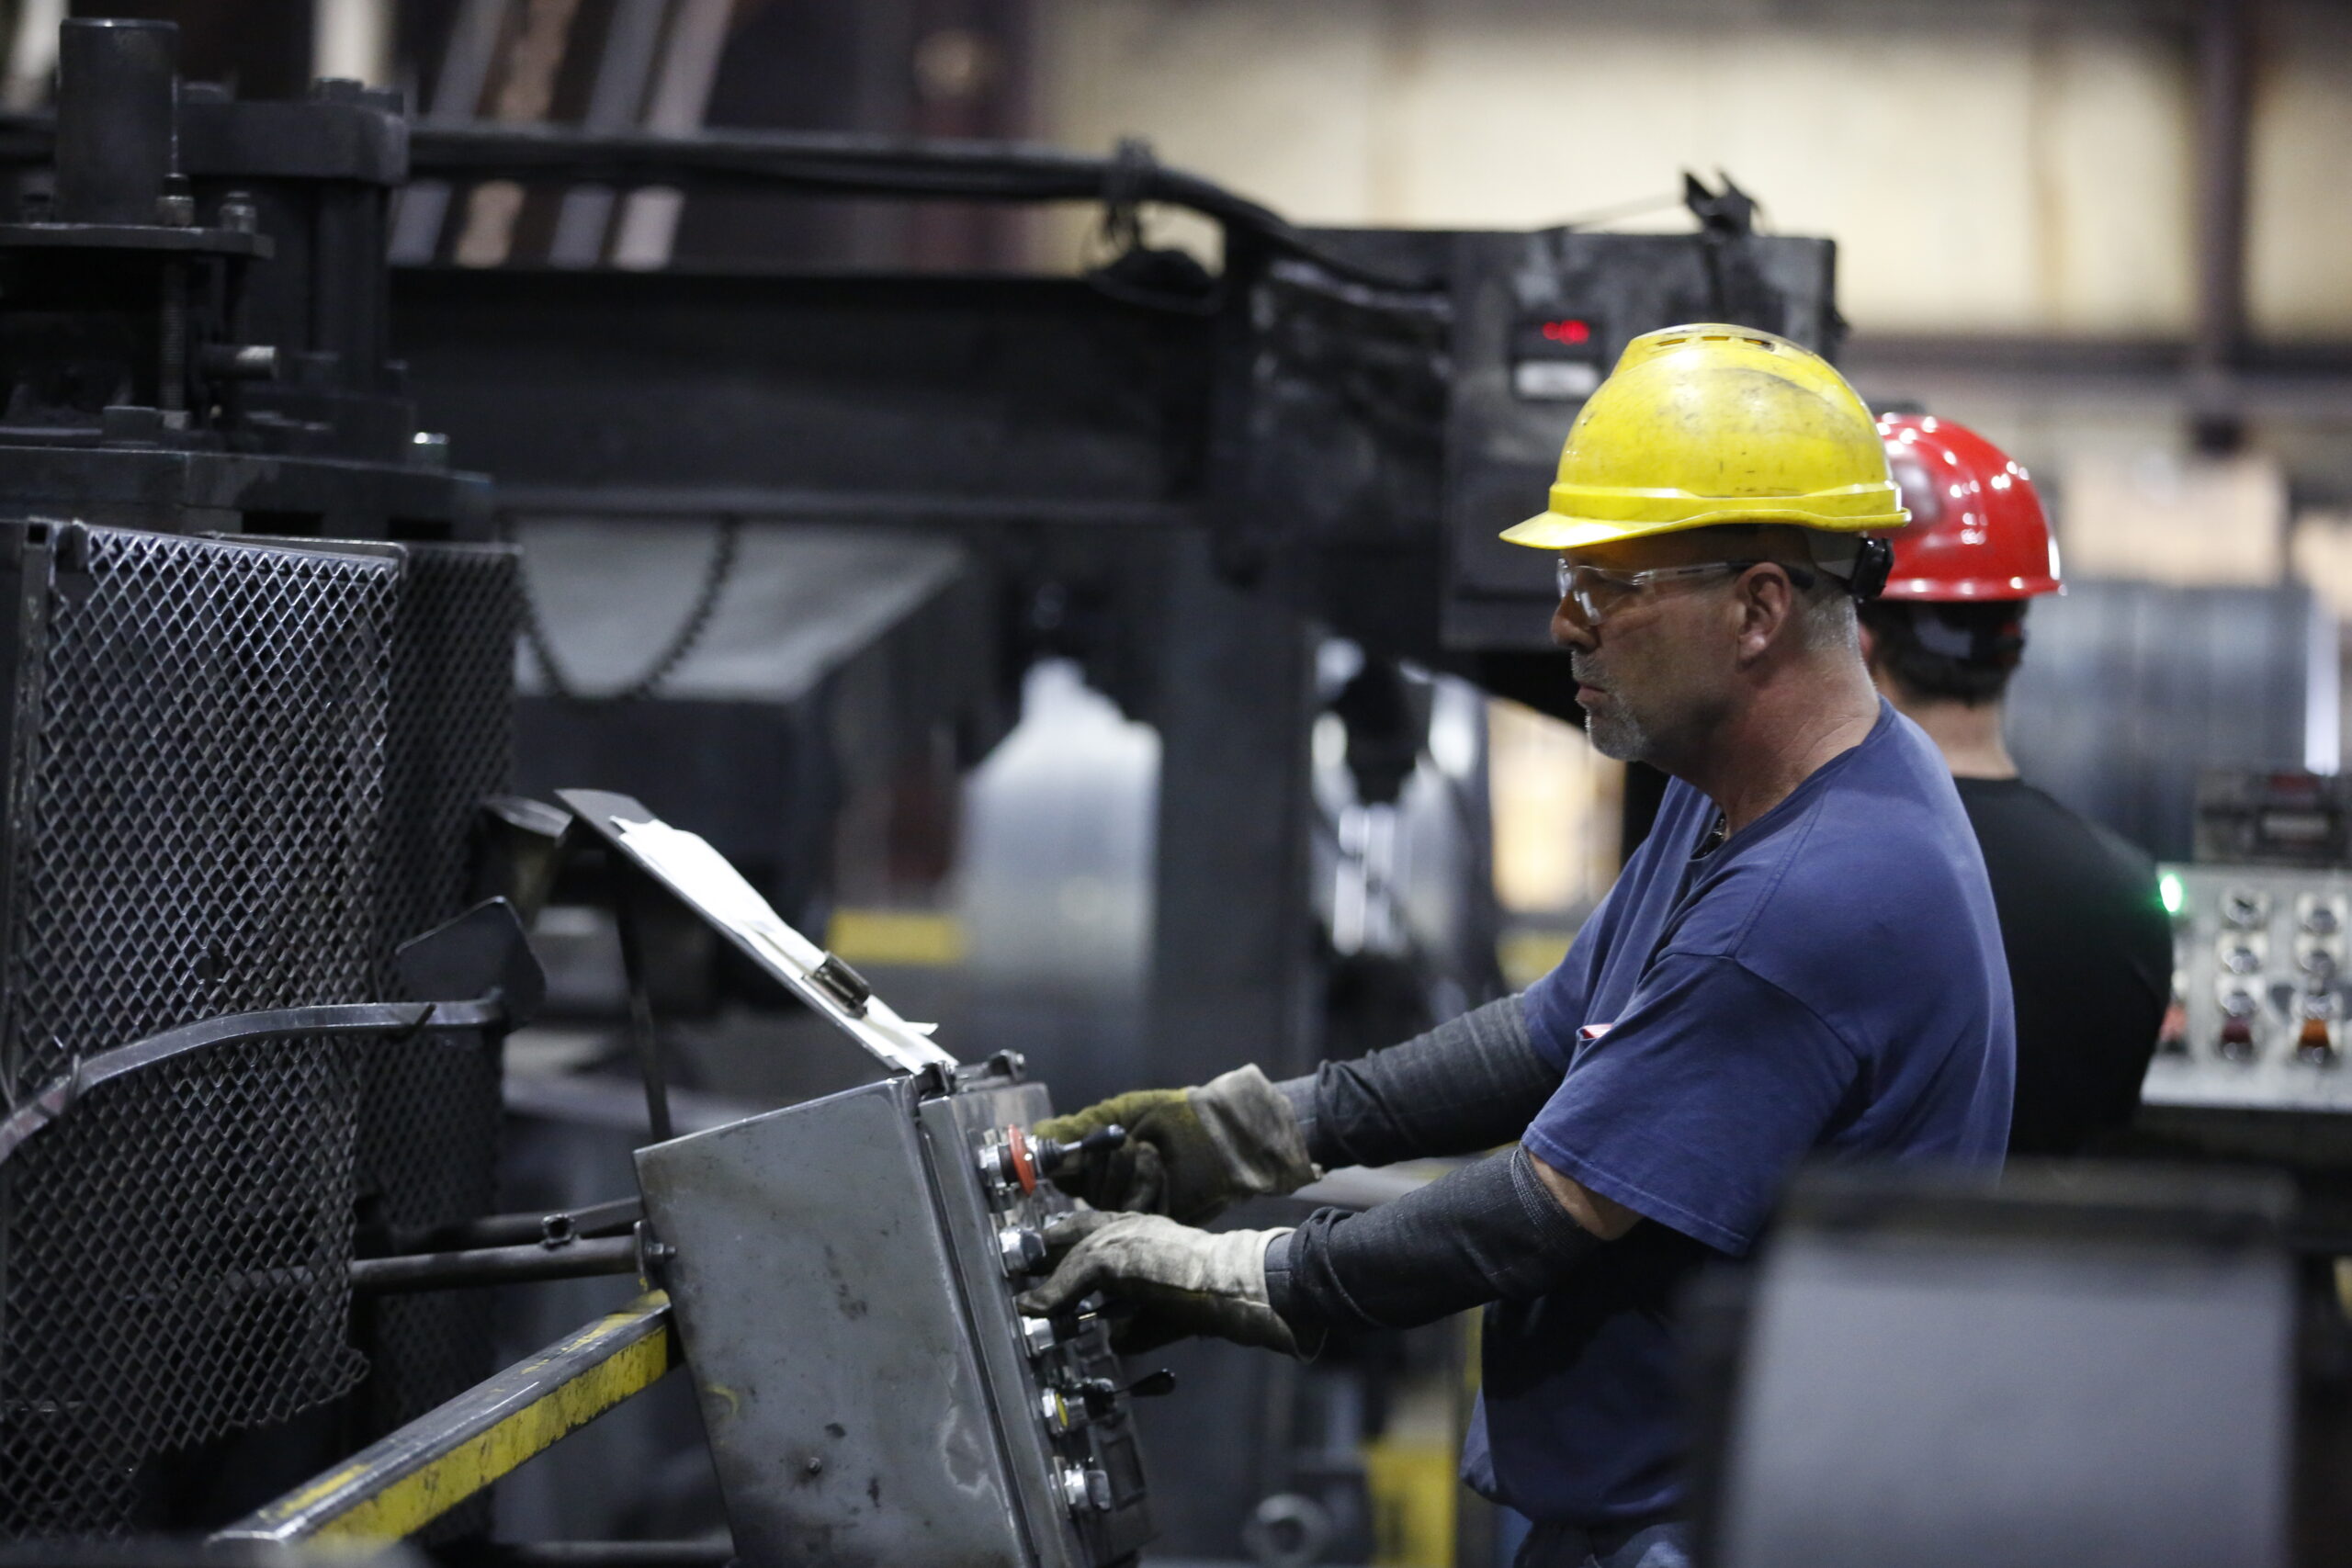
<point>835,162</point>
<point>721,567</point>
<point>843,163</point>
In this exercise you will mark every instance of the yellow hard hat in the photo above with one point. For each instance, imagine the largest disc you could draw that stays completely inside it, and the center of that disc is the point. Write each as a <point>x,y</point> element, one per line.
<point>1705,424</point>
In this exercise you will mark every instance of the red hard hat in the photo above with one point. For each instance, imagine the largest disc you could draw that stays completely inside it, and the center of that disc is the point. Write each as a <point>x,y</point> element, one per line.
<point>1976,529</point>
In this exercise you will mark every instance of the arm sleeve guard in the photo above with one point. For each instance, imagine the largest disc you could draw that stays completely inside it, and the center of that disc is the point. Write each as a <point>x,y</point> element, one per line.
<point>1487,1232</point>
<point>1466,1086</point>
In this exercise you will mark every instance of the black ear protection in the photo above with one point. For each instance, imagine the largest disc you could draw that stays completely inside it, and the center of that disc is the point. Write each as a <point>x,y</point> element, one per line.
<point>1868,579</point>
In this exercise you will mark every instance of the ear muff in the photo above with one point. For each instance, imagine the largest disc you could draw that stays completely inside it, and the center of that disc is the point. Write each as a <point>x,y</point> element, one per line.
<point>1871,567</point>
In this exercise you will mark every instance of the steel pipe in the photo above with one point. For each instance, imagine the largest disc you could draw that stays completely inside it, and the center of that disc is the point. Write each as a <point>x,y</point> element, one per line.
<point>493,1266</point>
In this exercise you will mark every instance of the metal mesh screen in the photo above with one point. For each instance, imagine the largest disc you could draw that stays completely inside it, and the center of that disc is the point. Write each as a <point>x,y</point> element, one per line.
<point>176,1253</point>
<point>430,1115</point>
<point>451,735</point>
<point>197,773</point>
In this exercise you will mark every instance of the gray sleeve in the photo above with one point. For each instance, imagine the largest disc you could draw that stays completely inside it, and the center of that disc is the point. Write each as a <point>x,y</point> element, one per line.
<point>1487,1232</point>
<point>1466,1086</point>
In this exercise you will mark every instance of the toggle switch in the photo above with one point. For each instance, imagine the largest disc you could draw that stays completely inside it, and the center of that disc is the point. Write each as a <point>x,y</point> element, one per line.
<point>2172,1034</point>
<point>1020,1250</point>
<point>1086,1490</point>
<point>1101,1395</point>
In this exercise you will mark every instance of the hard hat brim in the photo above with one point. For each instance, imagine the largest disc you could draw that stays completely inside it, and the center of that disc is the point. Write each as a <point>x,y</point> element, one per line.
<point>1970,590</point>
<point>1554,530</point>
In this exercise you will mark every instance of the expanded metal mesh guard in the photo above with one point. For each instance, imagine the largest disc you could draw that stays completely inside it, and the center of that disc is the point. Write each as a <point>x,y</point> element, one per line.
<point>200,788</point>
<point>450,737</point>
<point>196,776</point>
<point>429,1119</point>
<point>178,1246</point>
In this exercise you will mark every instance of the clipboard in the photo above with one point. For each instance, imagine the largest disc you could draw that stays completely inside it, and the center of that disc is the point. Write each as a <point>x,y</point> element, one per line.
<point>704,879</point>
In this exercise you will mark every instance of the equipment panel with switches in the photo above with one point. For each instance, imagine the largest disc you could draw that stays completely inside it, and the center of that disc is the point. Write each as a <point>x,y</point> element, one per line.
<point>2260,990</point>
<point>844,1275</point>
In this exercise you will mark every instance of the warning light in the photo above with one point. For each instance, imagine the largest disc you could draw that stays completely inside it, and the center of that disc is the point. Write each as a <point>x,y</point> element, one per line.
<point>1570,329</point>
<point>2169,889</point>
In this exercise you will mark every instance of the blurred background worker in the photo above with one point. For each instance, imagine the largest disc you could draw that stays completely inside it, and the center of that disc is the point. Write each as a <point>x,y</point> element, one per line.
<point>2088,942</point>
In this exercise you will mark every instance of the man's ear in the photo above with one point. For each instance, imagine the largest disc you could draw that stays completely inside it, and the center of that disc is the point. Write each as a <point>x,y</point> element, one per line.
<point>1767,610</point>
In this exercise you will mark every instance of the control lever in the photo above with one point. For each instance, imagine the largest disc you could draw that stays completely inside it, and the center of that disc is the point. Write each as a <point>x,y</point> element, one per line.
<point>1020,1160</point>
<point>1101,1395</point>
<point>1051,1155</point>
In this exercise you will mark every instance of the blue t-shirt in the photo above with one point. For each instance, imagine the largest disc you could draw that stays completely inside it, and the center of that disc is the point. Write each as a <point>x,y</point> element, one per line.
<point>1829,982</point>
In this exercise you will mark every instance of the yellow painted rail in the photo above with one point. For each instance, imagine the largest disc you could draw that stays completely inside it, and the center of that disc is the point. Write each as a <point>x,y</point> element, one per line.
<point>397,1485</point>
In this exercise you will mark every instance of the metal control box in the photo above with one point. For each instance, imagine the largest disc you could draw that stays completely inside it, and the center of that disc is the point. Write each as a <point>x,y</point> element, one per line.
<point>844,1277</point>
<point>2260,990</point>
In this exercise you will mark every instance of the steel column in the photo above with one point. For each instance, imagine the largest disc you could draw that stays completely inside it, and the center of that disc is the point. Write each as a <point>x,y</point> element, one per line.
<point>2225,42</point>
<point>1233,976</point>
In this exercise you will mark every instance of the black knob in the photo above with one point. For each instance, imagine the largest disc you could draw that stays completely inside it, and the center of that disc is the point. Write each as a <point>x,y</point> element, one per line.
<point>1052,1154</point>
<point>1101,1395</point>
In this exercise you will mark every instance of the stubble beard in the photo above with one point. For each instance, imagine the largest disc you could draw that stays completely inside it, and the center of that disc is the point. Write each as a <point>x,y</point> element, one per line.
<point>1618,734</point>
<point>1615,731</point>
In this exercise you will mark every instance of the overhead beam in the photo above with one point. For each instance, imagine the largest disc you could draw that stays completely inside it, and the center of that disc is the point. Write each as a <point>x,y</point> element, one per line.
<point>2308,380</point>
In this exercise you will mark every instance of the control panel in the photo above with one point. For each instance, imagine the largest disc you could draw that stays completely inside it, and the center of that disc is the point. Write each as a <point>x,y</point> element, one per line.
<point>2260,990</point>
<point>1066,1376</point>
<point>844,1275</point>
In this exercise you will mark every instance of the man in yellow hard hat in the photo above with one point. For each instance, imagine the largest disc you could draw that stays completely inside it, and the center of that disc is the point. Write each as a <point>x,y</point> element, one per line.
<point>1801,960</point>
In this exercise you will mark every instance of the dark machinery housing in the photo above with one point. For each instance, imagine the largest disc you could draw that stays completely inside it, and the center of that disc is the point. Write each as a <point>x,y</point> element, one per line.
<point>259,675</point>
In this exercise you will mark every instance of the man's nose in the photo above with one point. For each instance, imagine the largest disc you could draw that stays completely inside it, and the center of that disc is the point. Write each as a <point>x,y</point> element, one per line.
<point>1569,629</point>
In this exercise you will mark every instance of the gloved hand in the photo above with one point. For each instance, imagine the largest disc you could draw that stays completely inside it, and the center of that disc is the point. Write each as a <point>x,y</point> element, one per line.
<point>1179,1280</point>
<point>1190,1152</point>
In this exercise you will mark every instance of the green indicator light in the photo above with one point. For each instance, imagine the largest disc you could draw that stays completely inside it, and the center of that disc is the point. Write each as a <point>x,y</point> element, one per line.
<point>2169,889</point>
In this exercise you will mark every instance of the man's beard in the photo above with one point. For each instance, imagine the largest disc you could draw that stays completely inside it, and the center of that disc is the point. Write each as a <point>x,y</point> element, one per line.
<point>1618,733</point>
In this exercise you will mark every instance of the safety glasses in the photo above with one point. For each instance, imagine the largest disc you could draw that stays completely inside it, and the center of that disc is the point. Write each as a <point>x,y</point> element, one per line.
<point>1599,593</point>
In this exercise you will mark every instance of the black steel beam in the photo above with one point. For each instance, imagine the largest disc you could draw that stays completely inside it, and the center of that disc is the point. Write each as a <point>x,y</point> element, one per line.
<point>2310,379</point>
<point>910,401</point>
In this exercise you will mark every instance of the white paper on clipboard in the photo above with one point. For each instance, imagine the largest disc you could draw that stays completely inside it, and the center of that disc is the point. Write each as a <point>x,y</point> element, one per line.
<point>688,866</point>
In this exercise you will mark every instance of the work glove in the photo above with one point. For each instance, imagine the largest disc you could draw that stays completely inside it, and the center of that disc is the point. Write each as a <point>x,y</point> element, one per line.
<point>1178,1282</point>
<point>1190,1152</point>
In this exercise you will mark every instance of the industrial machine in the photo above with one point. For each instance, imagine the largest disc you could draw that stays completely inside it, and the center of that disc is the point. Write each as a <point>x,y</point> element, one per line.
<point>841,1275</point>
<point>2262,957</point>
<point>261,638</point>
<point>2259,989</point>
<point>259,676</point>
<point>909,1412</point>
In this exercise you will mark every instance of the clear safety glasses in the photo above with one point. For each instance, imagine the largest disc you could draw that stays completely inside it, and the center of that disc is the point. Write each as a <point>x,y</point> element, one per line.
<point>1599,593</point>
